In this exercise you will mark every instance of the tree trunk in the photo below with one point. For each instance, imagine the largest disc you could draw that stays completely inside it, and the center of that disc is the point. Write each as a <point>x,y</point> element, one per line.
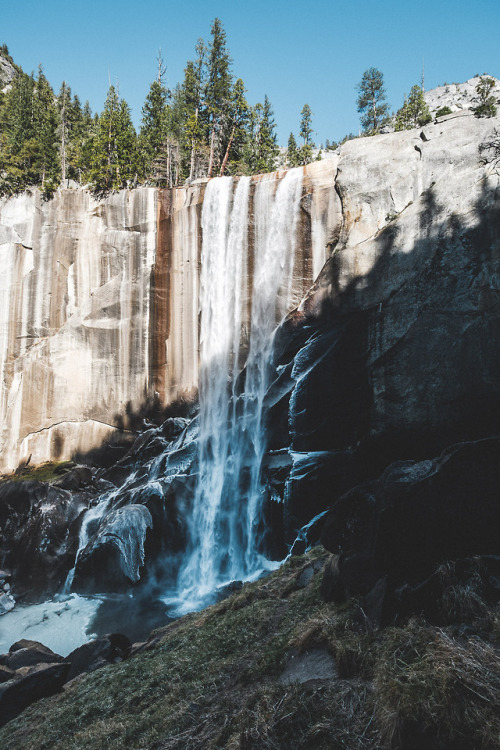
<point>193,142</point>
<point>169,175</point>
<point>63,144</point>
<point>212,151</point>
<point>228,149</point>
<point>191,168</point>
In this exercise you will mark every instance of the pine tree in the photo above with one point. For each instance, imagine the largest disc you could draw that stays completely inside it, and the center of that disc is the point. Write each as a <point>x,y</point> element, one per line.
<point>18,147</point>
<point>64,108</point>
<point>305,132</point>
<point>414,112</point>
<point>238,116</point>
<point>191,115</point>
<point>46,126</point>
<point>83,131</point>
<point>261,151</point>
<point>113,160</point>
<point>154,123</point>
<point>292,152</point>
<point>372,101</point>
<point>218,91</point>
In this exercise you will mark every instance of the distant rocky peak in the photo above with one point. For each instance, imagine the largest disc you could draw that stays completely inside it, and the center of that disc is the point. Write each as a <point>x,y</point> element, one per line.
<point>458,96</point>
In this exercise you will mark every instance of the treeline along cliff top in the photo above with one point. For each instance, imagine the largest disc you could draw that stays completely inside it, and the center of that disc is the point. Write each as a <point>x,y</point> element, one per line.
<point>203,127</point>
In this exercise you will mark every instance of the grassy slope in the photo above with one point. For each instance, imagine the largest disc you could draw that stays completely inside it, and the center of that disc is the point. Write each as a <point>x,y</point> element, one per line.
<point>211,680</point>
<point>47,472</point>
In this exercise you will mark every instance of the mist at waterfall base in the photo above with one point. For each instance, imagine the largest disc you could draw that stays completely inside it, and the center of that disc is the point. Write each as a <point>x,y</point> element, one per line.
<point>240,303</point>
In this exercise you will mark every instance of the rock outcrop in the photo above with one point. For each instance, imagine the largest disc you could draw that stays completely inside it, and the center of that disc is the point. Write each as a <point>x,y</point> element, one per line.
<point>459,97</point>
<point>31,671</point>
<point>7,73</point>
<point>394,354</point>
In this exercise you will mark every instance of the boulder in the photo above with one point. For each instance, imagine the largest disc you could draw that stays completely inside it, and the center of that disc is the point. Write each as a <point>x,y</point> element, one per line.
<point>39,681</point>
<point>7,602</point>
<point>27,653</point>
<point>114,555</point>
<point>78,478</point>
<point>6,673</point>
<point>39,525</point>
<point>110,648</point>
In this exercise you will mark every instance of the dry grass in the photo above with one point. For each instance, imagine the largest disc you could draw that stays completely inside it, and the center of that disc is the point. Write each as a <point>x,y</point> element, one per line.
<point>430,685</point>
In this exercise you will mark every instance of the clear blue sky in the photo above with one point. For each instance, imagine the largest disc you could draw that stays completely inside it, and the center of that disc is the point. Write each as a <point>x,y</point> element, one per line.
<point>314,51</point>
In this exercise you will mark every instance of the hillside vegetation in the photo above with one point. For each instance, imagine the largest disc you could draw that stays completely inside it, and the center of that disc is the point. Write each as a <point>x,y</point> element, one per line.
<point>276,667</point>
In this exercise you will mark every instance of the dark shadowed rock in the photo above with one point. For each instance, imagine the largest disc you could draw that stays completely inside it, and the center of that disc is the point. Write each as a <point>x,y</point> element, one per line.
<point>38,682</point>
<point>89,657</point>
<point>38,533</point>
<point>5,673</point>
<point>77,479</point>
<point>416,516</point>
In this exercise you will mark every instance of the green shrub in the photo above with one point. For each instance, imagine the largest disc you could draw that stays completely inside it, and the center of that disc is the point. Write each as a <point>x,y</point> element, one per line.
<point>486,101</point>
<point>443,111</point>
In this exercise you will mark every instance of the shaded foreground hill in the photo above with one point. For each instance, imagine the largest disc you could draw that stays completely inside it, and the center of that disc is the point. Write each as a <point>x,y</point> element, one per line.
<point>275,666</point>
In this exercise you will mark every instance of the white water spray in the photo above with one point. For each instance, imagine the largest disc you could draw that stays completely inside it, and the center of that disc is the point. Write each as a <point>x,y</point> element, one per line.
<point>223,527</point>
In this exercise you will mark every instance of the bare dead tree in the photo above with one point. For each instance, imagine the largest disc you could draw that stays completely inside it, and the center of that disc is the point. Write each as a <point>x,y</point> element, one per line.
<point>489,150</point>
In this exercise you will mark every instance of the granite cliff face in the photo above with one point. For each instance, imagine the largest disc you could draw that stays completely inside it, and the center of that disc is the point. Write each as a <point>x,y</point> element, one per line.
<point>75,319</point>
<point>400,334</point>
<point>99,307</point>
<point>389,352</point>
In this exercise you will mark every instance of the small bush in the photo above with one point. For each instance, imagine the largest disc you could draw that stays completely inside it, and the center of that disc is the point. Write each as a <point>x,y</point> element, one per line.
<point>443,111</point>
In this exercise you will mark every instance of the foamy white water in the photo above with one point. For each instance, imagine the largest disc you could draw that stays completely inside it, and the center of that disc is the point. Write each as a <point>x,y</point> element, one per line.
<point>224,524</point>
<point>60,625</point>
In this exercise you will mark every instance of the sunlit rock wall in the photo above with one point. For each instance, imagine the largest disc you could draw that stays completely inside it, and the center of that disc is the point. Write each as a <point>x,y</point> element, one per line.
<point>74,319</point>
<point>99,309</point>
<point>175,304</point>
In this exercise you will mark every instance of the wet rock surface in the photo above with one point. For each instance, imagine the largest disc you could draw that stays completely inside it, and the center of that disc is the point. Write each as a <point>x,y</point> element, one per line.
<point>415,517</point>
<point>39,526</point>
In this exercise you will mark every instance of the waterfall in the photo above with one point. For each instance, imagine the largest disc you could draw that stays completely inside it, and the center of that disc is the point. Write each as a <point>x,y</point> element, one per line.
<point>224,521</point>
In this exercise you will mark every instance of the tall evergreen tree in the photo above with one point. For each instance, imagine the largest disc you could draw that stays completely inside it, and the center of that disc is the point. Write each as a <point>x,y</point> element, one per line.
<point>154,123</point>
<point>292,152</point>
<point>18,147</point>
<point>83,131</point>
<point>113,147</point>
<point>46,126</point>
<point>305,132</point>
<point>218,91</point>
<point>64,106</point>
<point>372,101</point>
<point>414,112</point>
<point>192,122</point>
<point>262,150</point>
<point>238,116</point>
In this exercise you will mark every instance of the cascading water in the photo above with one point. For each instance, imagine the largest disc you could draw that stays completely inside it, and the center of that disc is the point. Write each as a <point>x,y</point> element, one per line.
<point>224,519</point>
<point>223,525</point>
